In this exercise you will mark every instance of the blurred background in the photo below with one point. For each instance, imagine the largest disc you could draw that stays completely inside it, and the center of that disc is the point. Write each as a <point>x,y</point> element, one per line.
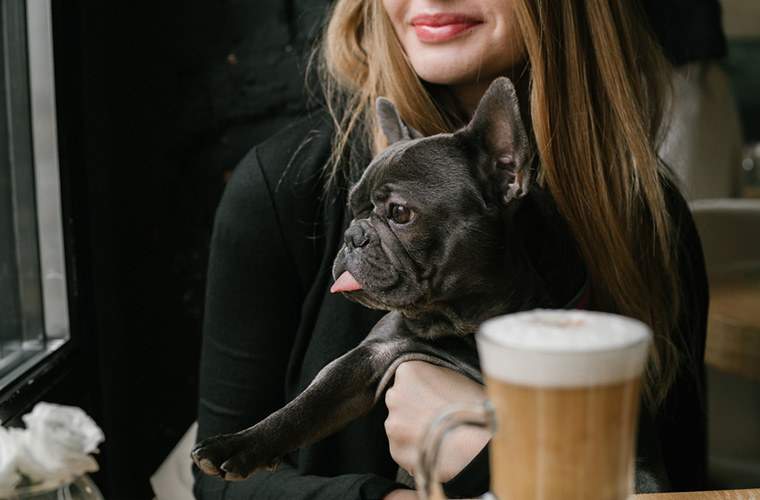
<point>154,104</point>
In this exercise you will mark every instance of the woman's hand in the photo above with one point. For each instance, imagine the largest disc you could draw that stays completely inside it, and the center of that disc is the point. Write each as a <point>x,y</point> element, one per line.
<point>420,392</point>
<point>401,495</point>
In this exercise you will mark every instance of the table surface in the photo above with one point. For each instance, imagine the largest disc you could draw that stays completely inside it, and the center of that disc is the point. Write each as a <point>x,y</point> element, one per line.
<point>753,494</point>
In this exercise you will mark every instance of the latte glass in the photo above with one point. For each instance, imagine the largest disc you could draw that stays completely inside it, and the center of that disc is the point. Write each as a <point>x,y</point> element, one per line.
<point>563,389</point>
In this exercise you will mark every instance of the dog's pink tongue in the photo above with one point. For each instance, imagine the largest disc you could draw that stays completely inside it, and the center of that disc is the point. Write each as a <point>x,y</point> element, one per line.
<point>345,283</point>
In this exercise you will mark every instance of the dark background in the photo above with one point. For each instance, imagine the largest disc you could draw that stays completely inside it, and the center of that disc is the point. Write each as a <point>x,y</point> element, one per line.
<point>157,102</point>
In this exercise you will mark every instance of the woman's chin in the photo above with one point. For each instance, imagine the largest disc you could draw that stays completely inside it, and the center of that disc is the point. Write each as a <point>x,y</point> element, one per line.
<point>450,76</point>
<point>443,72</point>
<point>456,65</point>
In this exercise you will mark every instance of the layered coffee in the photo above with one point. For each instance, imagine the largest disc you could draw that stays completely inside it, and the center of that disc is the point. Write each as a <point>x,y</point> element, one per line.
<point>565,389</point>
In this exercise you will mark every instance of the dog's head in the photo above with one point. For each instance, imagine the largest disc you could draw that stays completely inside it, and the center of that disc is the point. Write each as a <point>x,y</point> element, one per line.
<point>432,214</point>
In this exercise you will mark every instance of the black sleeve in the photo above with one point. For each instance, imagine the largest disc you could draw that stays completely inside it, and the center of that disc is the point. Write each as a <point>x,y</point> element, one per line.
<point>253,301</point>
<point>287,483</point>
<point>682,419</point>
<point>473,480</point>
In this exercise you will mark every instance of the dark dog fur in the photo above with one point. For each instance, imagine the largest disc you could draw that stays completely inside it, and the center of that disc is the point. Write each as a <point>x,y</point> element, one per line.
<point>458,260</point>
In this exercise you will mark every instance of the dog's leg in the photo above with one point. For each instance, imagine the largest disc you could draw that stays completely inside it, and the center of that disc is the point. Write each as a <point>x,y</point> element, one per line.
<point>342,391</point>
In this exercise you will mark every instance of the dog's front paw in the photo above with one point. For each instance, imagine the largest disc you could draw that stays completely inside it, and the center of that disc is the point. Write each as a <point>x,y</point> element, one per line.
<point>244,463</point>
<point>233,457</point>
<point>210,454</point>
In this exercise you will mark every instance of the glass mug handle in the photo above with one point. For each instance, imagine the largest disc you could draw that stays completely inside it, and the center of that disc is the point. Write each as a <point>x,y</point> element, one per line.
<point>426,477</point>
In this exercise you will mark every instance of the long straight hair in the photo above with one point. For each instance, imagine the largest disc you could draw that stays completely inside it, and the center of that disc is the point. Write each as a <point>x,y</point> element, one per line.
<point>599,86</point>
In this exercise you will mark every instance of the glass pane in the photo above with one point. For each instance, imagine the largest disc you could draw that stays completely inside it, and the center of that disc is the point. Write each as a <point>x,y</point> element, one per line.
<point>10,316</point>
<point>21,320</point>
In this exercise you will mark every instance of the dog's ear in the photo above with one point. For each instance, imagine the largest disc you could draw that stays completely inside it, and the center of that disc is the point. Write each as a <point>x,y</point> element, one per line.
<point>498,130</point>
<point>391,123</point>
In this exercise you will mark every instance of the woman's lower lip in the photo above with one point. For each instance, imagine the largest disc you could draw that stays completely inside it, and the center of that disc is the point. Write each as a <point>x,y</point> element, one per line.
<point>432,34</point>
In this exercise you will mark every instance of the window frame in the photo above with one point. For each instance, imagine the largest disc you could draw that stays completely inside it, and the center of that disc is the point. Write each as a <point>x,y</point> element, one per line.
<point>27,382</point>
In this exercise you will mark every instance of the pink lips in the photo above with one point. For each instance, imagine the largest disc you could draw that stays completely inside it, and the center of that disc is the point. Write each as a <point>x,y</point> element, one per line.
<point>433,28</point>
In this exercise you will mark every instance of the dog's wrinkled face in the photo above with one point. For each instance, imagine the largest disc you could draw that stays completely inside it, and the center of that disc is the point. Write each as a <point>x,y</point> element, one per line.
<point>431,213</point>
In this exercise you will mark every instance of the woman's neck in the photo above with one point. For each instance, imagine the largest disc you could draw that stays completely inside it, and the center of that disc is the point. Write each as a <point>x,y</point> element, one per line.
<point>467,95</point>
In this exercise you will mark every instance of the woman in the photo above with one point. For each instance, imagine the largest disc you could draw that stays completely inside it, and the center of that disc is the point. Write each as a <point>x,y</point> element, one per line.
<point>592,83</point>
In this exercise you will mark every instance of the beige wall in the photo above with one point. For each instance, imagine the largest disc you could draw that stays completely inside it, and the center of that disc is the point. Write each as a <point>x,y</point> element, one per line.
<point>741,18</point>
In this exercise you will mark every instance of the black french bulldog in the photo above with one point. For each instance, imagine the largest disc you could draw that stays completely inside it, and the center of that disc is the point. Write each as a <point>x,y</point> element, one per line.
<point>434,241</point>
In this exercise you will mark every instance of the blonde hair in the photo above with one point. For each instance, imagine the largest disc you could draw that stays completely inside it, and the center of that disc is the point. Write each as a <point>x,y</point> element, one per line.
<point>597,98</point>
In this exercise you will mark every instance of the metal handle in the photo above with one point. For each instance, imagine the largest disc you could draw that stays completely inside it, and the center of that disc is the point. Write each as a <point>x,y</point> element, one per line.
<point>426,478</point>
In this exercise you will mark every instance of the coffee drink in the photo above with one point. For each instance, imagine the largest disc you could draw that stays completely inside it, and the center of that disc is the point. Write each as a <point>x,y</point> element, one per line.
<point>565,389</point>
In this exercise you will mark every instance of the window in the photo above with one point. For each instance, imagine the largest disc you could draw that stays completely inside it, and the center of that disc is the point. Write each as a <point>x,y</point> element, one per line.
<point>33,298</point>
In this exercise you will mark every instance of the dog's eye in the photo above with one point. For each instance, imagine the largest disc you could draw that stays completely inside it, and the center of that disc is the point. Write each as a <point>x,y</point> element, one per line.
<point>399,213</point>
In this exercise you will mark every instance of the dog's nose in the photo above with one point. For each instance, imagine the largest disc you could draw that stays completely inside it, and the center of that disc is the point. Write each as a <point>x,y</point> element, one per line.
<point>355,236</point>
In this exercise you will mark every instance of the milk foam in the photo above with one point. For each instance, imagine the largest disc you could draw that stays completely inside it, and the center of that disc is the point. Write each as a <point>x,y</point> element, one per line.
<point>563,348</point>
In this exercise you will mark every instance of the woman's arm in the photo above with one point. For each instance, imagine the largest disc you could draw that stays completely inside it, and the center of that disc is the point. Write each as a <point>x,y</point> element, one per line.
<point>253,302</point>
<point>682,418</point>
